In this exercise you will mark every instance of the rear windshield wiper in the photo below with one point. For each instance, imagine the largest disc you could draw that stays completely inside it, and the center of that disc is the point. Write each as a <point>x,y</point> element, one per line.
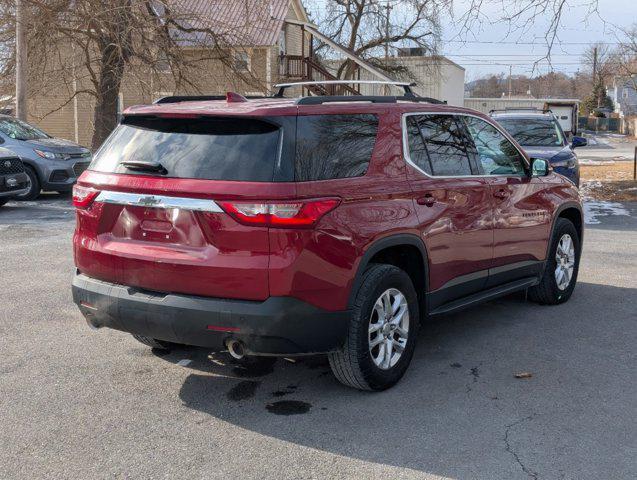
<point>155,167</point>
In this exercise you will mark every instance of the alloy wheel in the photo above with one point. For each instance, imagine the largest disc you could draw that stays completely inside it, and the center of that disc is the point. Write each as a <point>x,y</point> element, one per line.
<point>565,262</point>
<point>388,328</point>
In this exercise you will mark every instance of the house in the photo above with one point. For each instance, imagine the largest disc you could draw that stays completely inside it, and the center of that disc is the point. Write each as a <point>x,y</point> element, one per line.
<point>435,76</point>
<point>271,41</point>
<point>624,95</point>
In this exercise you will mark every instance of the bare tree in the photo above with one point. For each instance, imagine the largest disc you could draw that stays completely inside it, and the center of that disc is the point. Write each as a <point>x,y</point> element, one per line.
<point>95,43</point>
<point>367,27</point>
<point>626,55</point>
<point>520,15</point>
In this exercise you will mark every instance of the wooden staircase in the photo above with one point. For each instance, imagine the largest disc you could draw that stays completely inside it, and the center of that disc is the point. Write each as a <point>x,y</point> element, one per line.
<point>304,69</point>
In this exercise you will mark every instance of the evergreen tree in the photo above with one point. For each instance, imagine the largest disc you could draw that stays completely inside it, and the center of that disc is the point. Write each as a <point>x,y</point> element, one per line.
<point>597,99</point>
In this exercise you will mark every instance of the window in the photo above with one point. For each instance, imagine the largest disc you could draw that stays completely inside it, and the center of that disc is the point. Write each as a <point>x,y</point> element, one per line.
<point>442,147</point>
<point>242,61</point>
<point>334,146</point>
<point>19,130</point>
<point>282,42</point>
<point>215,148</point>
<point>417,150</point>
<point>534,132</point>
<point>497,155</point>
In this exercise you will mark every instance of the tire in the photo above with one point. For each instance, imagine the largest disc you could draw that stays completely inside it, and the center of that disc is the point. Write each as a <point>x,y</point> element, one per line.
<point>153,343</point>
<point>355,364</point>
<point>34,185</point>
<point>548,291</point>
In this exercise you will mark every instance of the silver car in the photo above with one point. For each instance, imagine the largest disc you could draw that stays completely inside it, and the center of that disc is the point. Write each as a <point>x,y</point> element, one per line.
<point>52,164</point>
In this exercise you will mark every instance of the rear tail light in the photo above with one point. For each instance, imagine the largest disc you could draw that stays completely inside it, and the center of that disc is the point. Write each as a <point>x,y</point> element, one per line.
<point>83,197</point>
<point>282,215</point>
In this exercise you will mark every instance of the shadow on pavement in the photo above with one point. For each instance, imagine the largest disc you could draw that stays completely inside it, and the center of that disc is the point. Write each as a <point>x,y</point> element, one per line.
<point>460,410</point>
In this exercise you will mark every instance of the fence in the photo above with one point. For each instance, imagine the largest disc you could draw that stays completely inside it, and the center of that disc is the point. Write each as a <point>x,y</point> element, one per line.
<point>599,124</point>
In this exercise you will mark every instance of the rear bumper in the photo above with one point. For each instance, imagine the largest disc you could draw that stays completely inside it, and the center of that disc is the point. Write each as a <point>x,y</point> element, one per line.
<point>277,326</point>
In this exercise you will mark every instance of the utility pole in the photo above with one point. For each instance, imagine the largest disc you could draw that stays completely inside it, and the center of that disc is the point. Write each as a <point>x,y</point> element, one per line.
<point>599,100</point>
<point>20,62</point>
<point>510,80</point>
<point>388,9</point>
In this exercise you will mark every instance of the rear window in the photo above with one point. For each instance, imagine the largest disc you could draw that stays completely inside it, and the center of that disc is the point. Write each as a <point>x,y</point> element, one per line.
<point>334,146</point>
<point>213,148</point>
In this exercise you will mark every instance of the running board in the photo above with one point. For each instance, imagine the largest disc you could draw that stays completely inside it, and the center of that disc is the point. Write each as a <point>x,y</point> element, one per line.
<point>486,295</point>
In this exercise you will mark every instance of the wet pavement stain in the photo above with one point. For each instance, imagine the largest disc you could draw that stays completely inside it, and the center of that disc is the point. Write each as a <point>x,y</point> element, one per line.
<point>288,407</point>
<point>456,365</point>
<point>243,390</point>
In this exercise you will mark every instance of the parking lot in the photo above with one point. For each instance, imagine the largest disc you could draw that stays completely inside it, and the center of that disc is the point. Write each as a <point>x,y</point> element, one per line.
<point>82,404</point>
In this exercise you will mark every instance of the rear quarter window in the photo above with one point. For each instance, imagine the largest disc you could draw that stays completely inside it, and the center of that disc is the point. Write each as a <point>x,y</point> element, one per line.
<point>334,146</point>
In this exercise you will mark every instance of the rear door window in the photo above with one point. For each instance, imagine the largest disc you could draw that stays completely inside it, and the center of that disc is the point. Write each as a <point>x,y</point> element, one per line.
<point>212,148</point>
<point>334,146</point>
<point>444,145</point>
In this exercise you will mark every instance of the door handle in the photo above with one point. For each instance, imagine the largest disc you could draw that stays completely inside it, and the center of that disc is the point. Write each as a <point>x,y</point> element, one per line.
<point>502,193</point>
<point>428,200</point>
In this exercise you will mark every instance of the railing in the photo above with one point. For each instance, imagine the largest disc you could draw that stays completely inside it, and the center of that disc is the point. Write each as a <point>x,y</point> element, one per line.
<point>298,67</point>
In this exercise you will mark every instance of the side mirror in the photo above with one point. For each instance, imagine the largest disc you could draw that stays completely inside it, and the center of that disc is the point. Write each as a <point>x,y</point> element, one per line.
<point>579,142</point>
<point>539,167</point>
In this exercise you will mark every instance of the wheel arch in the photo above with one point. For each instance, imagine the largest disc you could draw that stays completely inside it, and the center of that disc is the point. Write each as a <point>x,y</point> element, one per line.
<point>400,250</point>
<point>573,212</point>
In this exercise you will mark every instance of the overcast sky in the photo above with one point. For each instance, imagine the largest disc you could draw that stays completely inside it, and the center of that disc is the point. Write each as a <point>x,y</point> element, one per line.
<point>578,30</point>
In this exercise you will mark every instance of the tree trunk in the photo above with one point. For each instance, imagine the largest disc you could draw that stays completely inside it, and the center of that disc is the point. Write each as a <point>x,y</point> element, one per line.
<point>110,81</point>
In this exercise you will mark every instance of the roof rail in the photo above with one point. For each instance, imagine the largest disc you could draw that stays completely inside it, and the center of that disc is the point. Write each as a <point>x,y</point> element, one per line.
<point>318,100</point>
<point>200,98</point>
<point>406,86</point>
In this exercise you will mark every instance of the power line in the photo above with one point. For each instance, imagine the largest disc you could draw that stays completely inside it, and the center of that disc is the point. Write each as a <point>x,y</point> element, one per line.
<point>556,43</point>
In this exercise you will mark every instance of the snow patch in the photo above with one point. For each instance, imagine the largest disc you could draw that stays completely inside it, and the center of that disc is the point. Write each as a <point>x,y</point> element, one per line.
<point>594,210</point>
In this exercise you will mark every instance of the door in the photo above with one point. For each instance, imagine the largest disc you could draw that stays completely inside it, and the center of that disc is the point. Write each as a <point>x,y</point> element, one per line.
<point>454,206</point>
<point>521,213</point>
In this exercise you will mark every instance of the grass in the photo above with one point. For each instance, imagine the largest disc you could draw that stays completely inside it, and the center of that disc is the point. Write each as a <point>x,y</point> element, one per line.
<point>612,181</point>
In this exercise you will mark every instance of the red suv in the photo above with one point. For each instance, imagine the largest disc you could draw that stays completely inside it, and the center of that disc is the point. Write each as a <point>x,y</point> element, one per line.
<point>314,225</point>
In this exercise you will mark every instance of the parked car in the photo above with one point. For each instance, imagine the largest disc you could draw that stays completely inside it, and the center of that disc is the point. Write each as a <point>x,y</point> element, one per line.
<point>13,180</point>
<point>314,225</point>
<point>541,136</point>
<point>52,164</point>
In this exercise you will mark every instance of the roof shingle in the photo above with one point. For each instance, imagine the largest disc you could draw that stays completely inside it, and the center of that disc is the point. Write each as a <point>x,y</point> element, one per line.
<point>238,22</point>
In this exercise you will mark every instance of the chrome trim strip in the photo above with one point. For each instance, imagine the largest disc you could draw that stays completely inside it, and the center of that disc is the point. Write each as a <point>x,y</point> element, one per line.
<point>158,201</point>
<point>410,162</point>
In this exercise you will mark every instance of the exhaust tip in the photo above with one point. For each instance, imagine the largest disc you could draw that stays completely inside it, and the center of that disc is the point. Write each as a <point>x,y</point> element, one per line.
<point>236,349</point>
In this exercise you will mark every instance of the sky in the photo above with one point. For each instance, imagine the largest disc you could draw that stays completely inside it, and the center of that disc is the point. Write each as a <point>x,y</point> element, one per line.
<point>490,48</point>
<point>579,28</point>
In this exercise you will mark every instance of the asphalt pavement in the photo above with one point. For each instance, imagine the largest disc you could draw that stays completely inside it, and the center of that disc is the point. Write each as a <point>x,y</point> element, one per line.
<point>79,404</point>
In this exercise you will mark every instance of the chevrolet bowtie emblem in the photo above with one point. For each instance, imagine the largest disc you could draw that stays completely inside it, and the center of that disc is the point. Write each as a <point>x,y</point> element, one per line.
<point>149,201</point>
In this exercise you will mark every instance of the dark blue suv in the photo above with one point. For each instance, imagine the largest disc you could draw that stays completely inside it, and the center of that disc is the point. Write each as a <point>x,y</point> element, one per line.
<point>541,136</point>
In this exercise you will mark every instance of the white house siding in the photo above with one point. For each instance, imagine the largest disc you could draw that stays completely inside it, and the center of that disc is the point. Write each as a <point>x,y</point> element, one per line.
<point>436,77</point>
